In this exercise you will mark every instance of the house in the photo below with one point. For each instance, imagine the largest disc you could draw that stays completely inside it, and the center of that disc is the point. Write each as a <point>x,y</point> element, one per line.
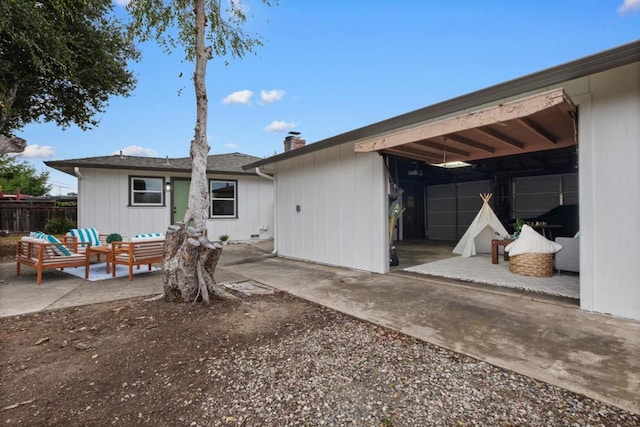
<point>565,135</point>
<point>133,195</point>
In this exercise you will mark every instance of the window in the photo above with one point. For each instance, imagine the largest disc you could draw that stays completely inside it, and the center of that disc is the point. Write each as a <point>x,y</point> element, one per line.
<point>146,191</point>
<point>223,199</point>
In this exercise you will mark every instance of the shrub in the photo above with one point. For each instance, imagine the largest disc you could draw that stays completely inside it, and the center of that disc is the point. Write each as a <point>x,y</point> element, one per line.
<point>59,225</point>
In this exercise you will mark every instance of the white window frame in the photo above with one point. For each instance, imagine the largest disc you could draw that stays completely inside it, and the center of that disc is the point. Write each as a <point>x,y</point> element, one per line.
<point>133,191</point>
<point>213,199</point>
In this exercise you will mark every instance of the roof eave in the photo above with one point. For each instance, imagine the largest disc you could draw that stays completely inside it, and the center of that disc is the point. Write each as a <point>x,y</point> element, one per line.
<point>609,59</point>
<point>68,168</point>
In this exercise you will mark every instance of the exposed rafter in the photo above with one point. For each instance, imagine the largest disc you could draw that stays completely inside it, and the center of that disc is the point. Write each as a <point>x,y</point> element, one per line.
<point>470,143</point>
<point>538,130</point>
<point>500,137</point>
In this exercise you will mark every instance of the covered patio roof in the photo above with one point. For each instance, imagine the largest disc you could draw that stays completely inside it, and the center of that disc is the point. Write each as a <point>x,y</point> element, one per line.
<point>534,123</point>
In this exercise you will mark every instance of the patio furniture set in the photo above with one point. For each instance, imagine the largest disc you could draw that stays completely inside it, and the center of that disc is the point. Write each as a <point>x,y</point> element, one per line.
<point>41,251</point>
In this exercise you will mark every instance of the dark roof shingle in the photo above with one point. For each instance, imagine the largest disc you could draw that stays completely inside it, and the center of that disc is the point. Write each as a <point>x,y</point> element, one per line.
<point>218,163</point>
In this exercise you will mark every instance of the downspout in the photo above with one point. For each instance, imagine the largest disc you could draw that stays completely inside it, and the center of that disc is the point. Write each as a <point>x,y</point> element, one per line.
<point>76,171</point>
<point>275,207</point>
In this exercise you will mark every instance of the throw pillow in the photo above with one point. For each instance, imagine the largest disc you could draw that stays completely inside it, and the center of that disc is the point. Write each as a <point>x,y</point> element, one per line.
<point>58,249</point>
<point>530,241</point>
<point>86,235</point>
<point>148,235</point>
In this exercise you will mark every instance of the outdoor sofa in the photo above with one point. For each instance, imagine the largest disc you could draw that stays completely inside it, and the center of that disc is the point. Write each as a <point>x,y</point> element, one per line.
<point>42,254</point>
<point>137,252</point>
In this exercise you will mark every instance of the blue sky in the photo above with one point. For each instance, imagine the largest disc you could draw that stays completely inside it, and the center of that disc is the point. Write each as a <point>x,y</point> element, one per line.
<point>331,66</point>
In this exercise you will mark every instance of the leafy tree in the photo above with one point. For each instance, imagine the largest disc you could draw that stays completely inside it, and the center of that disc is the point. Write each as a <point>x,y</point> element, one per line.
<point>21,176</point>
<point>60,61</point>
<point>197,22</point>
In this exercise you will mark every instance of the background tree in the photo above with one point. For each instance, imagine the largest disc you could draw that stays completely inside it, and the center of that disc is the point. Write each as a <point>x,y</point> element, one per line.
<point>60,61</point>
<point>21,176</point>
<point>190,258</point>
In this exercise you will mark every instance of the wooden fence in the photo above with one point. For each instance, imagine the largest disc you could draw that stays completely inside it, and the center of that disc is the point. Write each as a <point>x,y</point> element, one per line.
<point>32,215</point>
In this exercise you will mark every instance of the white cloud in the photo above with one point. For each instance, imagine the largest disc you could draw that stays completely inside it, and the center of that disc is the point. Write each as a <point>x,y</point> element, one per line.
<point>38,152</point>
<point>135,150</point>
<point>239,97</point>
<point>230,145</point>
<point>629,6</point>
<point>123,3</point>
<point>240,5</point>
<point>271,96</point>
<point>279,126</point>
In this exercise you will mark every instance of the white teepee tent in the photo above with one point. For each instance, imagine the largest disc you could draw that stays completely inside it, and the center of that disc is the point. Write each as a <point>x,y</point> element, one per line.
<point>485,227</point>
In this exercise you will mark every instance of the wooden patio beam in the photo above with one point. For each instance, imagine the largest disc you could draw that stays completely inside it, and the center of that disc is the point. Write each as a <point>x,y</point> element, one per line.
<point>500,137</point>
<point>441,147</point>
<point>538,130</point>
<point>414,155</point>
<point>470,143</point>
<point>487,116</point>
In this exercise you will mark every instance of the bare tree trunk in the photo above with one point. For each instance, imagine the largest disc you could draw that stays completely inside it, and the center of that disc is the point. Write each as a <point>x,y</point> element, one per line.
<point>190,258</point>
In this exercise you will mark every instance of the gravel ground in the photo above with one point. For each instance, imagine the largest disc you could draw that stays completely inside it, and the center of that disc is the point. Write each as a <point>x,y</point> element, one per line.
<point>352,373</point>
<point>261,361</point>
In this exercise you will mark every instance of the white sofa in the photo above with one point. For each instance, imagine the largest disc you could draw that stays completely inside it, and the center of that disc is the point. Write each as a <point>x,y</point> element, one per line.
<point>568,258</point>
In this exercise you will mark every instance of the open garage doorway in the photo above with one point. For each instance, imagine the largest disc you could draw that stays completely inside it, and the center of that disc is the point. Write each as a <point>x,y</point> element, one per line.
<point>442,203</point>
<point>524,152</point>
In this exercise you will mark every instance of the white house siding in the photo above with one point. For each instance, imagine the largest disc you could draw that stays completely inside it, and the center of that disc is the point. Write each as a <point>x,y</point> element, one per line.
<point>255,211</point>
<point>343,209</point>
<point>609,157</point>
<point>103,203</point>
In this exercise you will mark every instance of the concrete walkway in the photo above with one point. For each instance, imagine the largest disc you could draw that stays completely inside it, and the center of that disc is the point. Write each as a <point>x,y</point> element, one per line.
<point>547,339</point>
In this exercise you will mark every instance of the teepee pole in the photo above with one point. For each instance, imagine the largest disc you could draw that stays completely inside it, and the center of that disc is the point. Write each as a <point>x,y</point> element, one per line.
<point>486,196</point>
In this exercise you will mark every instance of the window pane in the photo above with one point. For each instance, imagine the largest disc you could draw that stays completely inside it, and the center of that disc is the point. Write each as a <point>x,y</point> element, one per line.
<point>223,190</point>
<point>224,207</point>
<point>150,184</point>
<point>139,184</point>
<point>147,191</point>
<point>146,198</point>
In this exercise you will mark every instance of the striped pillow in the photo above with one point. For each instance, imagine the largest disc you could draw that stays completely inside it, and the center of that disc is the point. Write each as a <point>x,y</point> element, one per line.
<point>58,249</point>
<point>148,235</point>
<point>86,235</point>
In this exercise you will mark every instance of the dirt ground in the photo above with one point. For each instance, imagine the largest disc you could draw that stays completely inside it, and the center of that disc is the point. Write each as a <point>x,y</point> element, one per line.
<point>129,362</point>
<point>264,360</point>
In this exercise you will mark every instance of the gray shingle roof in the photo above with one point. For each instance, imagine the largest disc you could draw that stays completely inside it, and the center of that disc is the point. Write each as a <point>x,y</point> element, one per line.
<point>218,163</point>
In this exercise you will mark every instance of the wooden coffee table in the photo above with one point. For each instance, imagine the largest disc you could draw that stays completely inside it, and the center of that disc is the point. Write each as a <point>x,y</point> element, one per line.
<point>495,244</point>
<point>101,250</point>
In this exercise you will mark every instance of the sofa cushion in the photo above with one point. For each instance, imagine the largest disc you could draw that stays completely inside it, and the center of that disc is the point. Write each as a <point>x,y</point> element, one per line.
<point>568,259</point>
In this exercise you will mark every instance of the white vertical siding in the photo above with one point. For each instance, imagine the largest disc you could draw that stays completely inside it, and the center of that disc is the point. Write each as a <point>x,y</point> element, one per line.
<point>610,193</point>
<point>103,203</point>
<point>255,211</point>
<point>343,213</point>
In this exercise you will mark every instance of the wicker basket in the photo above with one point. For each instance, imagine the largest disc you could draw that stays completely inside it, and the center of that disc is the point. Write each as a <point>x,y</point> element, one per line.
<point>532,264</point>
